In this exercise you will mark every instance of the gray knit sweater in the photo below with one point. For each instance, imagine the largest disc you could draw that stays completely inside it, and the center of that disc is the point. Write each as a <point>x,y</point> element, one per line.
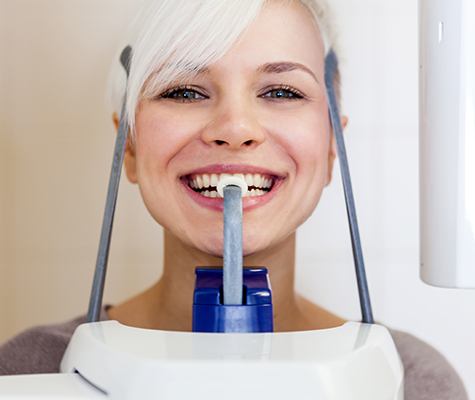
<point>428,375</point>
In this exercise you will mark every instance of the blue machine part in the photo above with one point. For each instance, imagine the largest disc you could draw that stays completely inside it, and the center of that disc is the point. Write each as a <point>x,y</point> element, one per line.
<point>211,315</point>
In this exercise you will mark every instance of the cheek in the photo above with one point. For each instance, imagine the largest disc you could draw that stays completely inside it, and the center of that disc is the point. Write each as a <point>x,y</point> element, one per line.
<point>306,141</point>
<point>160,136</point>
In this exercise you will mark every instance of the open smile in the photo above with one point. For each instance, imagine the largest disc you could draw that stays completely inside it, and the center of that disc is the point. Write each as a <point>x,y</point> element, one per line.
<point>202,185</point>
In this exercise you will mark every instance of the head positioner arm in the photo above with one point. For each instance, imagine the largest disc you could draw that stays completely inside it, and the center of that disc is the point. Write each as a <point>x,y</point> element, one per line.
<point>331,64</point>
<point>95,301</point>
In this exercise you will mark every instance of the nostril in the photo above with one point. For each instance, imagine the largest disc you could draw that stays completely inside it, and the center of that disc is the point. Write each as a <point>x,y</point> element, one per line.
<point>248,142</point>
<point>220,142</point>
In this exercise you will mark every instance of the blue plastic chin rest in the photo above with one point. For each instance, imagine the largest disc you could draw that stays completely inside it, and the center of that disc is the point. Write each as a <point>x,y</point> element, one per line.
<point>211,315</point>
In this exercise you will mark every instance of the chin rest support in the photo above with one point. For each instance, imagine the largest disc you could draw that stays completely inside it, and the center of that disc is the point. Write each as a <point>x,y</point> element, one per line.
<point>253,315</point>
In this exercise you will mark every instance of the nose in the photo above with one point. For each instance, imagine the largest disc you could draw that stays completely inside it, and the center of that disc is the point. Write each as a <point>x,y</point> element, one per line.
<point>234,127</point>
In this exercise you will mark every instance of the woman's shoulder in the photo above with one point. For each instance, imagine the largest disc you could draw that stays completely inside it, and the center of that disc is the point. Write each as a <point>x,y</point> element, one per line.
<point>37,350</point>
<point>427,373</point>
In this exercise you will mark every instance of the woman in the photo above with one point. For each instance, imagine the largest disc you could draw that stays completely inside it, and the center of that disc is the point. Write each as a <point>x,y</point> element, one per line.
<point>228,87</point>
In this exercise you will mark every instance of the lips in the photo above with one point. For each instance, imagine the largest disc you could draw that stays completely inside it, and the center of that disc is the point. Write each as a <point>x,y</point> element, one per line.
<point>201,184</point>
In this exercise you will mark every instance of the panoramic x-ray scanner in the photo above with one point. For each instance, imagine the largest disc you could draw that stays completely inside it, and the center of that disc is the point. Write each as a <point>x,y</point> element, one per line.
<point>447,142</point>
<point>232,351</point>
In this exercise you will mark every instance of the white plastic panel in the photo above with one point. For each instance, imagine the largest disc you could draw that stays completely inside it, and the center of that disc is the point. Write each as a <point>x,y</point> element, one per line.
<point>447,142</point>
<point>354,361</point>
<point>47,387</point>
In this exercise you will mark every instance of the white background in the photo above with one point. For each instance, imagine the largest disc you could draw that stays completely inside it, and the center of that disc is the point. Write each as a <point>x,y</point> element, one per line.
<point>56,143</point>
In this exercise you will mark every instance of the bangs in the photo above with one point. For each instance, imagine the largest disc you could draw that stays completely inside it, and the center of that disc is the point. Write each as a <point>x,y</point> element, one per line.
<point>180,38</point>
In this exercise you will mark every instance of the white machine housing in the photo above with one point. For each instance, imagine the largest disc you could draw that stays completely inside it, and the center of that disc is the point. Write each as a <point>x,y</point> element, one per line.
<point>447,142</point>
<point>355,361</point>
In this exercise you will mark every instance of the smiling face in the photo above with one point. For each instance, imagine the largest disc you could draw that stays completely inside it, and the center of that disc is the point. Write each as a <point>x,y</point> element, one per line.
<point>260,111</point>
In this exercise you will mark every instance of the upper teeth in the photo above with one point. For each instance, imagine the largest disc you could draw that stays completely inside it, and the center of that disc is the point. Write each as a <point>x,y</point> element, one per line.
<point>211,180</point>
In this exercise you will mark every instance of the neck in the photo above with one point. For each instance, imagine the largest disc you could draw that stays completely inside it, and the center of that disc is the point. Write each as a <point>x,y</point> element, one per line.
<point>167,305</point>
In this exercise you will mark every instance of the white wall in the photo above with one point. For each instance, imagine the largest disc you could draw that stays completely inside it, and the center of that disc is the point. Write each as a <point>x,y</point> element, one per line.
<point>3,166</point>
<point>56,144</point>
<point>380,79</point>
<point>58,138</point>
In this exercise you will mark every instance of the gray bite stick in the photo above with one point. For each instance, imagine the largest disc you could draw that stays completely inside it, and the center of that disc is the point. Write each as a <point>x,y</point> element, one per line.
<point>232,253</point>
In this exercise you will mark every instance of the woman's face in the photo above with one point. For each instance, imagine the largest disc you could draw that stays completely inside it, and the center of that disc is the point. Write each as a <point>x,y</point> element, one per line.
<point>261,112</point>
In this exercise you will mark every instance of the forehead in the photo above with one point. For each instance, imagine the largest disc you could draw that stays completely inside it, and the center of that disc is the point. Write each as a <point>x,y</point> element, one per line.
<point>282,33</point>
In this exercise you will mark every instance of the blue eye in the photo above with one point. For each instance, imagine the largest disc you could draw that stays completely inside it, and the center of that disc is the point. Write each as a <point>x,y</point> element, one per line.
<point>187,94</point>
<point>283,93</point>
<point>183,94</point>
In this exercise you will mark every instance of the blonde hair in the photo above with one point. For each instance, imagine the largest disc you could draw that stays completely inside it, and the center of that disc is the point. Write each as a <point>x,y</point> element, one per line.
<point>173,39</point>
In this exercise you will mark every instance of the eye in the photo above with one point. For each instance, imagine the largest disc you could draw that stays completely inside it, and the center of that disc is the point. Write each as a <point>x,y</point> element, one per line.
<point>283,92</point>
<point>183,94</point>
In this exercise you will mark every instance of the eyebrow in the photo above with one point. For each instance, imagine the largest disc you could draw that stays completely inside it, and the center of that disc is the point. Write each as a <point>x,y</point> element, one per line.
<point>285,66</point>
<point>276,68</point>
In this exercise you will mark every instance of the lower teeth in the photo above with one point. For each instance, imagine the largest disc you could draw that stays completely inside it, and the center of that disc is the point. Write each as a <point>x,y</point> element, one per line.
<point>211,193</point>
<point>251,193</point>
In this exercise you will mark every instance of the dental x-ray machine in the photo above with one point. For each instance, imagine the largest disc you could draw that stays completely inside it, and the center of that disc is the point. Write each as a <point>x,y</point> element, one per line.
<point>232,352</point>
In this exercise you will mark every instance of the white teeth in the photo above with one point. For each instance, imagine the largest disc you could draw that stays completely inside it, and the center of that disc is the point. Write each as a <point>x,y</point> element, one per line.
<point>206,181</point>
<point>249,180</point>
<point>257,192</point>
<point>210,193</point>
<point>257,180</point>
<point>199,182</point>
<point>210,182</point>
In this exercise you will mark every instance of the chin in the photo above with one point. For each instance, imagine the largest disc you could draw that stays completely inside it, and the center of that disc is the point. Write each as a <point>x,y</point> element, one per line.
<point>214,246</point>
<point>254,245</point>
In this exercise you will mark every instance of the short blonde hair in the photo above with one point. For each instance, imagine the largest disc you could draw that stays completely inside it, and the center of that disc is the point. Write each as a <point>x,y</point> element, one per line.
<point>172,39</point>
